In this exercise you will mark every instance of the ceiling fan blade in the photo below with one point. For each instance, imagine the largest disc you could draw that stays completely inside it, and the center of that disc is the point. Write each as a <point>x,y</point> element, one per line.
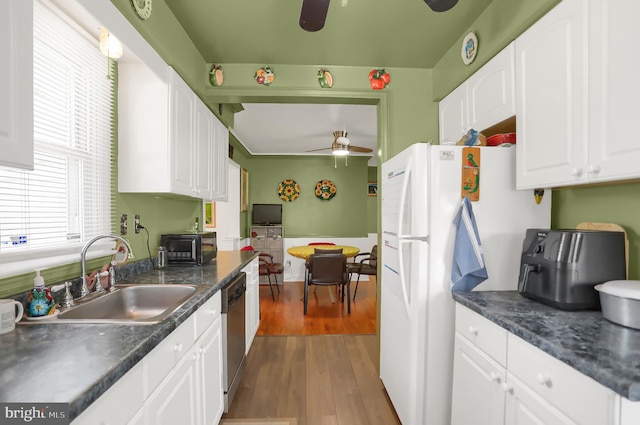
<point>359,149</point>
<point>441,5</point>
<point>317,150</point>
<point>313,14</point>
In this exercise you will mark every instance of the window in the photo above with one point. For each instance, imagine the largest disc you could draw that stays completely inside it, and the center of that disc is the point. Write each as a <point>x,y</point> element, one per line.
<point>66,200</point>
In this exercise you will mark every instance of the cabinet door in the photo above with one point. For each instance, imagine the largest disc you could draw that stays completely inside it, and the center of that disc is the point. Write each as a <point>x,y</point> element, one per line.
<point>220,165</point>
<point>16,83</point>
<point>209,372</point>
<point>181,121</point>
<point>614,90</point>
<point>524,407</point>
<point>478,397</point>
<point>175,400</point>
<point>453,116</point>
<point>491,90</point>
<point>252,303</point>
<point>550,98</point>
<point>203,145</point>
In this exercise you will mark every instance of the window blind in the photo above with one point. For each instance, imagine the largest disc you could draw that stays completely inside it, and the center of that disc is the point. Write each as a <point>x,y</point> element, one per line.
<point>66,200</point>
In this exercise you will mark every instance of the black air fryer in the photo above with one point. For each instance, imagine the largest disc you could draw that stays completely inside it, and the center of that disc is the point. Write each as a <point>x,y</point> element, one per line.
<point>560,267</point>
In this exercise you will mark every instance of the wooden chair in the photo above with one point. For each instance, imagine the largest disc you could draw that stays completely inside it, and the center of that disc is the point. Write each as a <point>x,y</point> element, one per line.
<point>327,270</point>
<point>367,266</point>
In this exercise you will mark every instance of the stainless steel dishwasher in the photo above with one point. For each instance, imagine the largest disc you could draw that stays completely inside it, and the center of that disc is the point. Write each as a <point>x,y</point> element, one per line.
<point>233,336</point>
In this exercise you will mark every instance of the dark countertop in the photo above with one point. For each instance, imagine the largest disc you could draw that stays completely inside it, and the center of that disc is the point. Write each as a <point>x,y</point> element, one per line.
<point>77,363</point>
<point>585,340</point>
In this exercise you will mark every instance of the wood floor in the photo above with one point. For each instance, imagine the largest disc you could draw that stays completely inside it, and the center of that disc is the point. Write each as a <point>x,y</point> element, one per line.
<point>285,315</point>
<point>319,368</point>
<point>318,379</point>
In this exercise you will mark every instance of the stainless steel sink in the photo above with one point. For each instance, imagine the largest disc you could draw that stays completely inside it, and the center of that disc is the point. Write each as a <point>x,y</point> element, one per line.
<point>130,304</point>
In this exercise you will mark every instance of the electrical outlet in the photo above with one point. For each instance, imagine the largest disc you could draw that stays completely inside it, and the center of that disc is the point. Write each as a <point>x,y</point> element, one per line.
<point>137,223</point>
<point>123,224</point>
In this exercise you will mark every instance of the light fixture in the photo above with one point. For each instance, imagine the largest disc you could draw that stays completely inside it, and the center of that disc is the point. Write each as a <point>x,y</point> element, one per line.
<point>110,46</point>
<point>340,150</point>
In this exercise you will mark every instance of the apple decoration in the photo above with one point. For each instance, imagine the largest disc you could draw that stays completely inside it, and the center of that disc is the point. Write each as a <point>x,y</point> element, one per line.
<point>379,79</point>
<point>324,78</point>
<point>265,76</point>
<point>216,76</point>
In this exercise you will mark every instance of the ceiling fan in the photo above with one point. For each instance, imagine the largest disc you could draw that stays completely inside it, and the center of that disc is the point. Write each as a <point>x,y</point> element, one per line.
<point>342,146</point>
<point>314,12</point>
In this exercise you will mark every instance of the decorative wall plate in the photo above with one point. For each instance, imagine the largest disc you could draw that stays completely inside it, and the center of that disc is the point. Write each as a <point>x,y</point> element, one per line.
<point>288,190</point>
<point>469,48</point>
<point>216,76</point>
<point>265,76</point>
<point>142,8</point>
<point>325,190</point>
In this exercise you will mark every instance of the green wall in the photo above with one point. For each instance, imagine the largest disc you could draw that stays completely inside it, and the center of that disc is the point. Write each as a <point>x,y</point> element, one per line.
<point>345,215</point>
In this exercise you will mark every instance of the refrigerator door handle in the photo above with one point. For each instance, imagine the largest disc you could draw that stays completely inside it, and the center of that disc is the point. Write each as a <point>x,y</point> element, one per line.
<point>403,195</point>
<point>403,281</point>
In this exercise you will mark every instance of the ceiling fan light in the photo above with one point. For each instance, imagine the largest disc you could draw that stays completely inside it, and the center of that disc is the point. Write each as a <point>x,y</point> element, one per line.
<point>340,151</point>
<point>342,140</point>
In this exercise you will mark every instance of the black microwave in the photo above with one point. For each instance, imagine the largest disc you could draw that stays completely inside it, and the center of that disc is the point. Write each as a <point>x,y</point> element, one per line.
<point>190,248</point>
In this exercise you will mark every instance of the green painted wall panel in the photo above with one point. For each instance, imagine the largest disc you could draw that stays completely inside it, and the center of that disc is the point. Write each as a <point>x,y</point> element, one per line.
<point>345,215</point>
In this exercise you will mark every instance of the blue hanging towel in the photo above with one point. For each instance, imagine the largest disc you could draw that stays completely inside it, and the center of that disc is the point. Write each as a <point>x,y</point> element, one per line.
<point>468,269</point>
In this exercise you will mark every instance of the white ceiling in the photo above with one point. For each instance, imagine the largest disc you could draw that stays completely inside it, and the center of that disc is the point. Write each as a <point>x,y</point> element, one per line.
<point>294,129</point>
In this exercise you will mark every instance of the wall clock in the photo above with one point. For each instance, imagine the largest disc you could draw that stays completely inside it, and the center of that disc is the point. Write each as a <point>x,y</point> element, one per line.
<point>142,8</point>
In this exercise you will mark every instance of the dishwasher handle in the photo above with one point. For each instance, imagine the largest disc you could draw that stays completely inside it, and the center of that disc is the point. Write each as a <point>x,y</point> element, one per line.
<point>233,292</point>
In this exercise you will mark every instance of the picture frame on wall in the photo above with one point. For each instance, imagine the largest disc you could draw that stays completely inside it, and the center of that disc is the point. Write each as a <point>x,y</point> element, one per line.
<point>244,190</point>
<point>210,215</point>
<point>372,189</point>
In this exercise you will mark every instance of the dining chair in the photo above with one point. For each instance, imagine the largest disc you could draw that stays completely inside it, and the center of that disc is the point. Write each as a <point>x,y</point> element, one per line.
<point>266,267</point>
<point>327,270</point>
<point>320,243</point>
<point>323,251</point>
<point>272,268</point>
<point>368,265</point>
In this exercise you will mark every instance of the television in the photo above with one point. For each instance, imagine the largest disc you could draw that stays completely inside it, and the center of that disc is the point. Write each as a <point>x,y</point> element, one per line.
<point>266,214</point>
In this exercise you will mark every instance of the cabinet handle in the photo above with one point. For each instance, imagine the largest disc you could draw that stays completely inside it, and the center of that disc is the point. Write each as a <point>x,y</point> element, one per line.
<point>211,311</point>
<point>508,388</point>
<point>494,377</point>
<point>177,348</point>
<point>202,350</point>
<point>576,172</point>
<point>594,169</point>
<point>473,331</point>
<point>544,379</point>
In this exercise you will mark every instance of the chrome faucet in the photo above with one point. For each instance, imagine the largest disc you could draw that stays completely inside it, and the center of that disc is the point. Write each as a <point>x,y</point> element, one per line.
<point>84,290</point>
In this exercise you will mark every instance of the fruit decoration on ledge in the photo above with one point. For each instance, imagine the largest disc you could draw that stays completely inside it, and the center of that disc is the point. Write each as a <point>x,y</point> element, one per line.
<point>216,76</point>
<point>324,78</point>
<point>379,79</point>
<point>265,76</point>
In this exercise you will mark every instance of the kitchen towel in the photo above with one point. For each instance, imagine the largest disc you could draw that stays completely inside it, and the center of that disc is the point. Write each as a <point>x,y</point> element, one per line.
<point>468,268</point>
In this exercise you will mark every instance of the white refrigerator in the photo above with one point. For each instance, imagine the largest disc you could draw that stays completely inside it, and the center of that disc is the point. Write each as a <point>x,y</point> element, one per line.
<point>421,194</point>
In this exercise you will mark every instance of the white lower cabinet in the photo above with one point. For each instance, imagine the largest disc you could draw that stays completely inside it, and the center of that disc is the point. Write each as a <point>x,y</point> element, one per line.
<point>209,374</point>
<point>252,302</point>
<point>175,400</point>
<point>178,382</point>
<point>530,387</point>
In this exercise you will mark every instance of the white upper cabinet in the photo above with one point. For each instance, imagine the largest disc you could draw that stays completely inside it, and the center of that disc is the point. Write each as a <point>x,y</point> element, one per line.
<point>550,92</point>
<point>483,100</point>
<point>577,86</point>
<point>220,173</point>
<point>614,90</point>
<point>16,83</point>
<point>168,138</point>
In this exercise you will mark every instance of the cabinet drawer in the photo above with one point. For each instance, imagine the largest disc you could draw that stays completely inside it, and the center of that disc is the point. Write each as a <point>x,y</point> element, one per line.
<point>559,384</point>
<point>487,336</point>
<point>159,362</point>
<point>207,313</point>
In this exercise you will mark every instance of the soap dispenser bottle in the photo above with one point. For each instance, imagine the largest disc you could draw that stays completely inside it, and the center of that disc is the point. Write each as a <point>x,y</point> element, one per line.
<point>40,301</point>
